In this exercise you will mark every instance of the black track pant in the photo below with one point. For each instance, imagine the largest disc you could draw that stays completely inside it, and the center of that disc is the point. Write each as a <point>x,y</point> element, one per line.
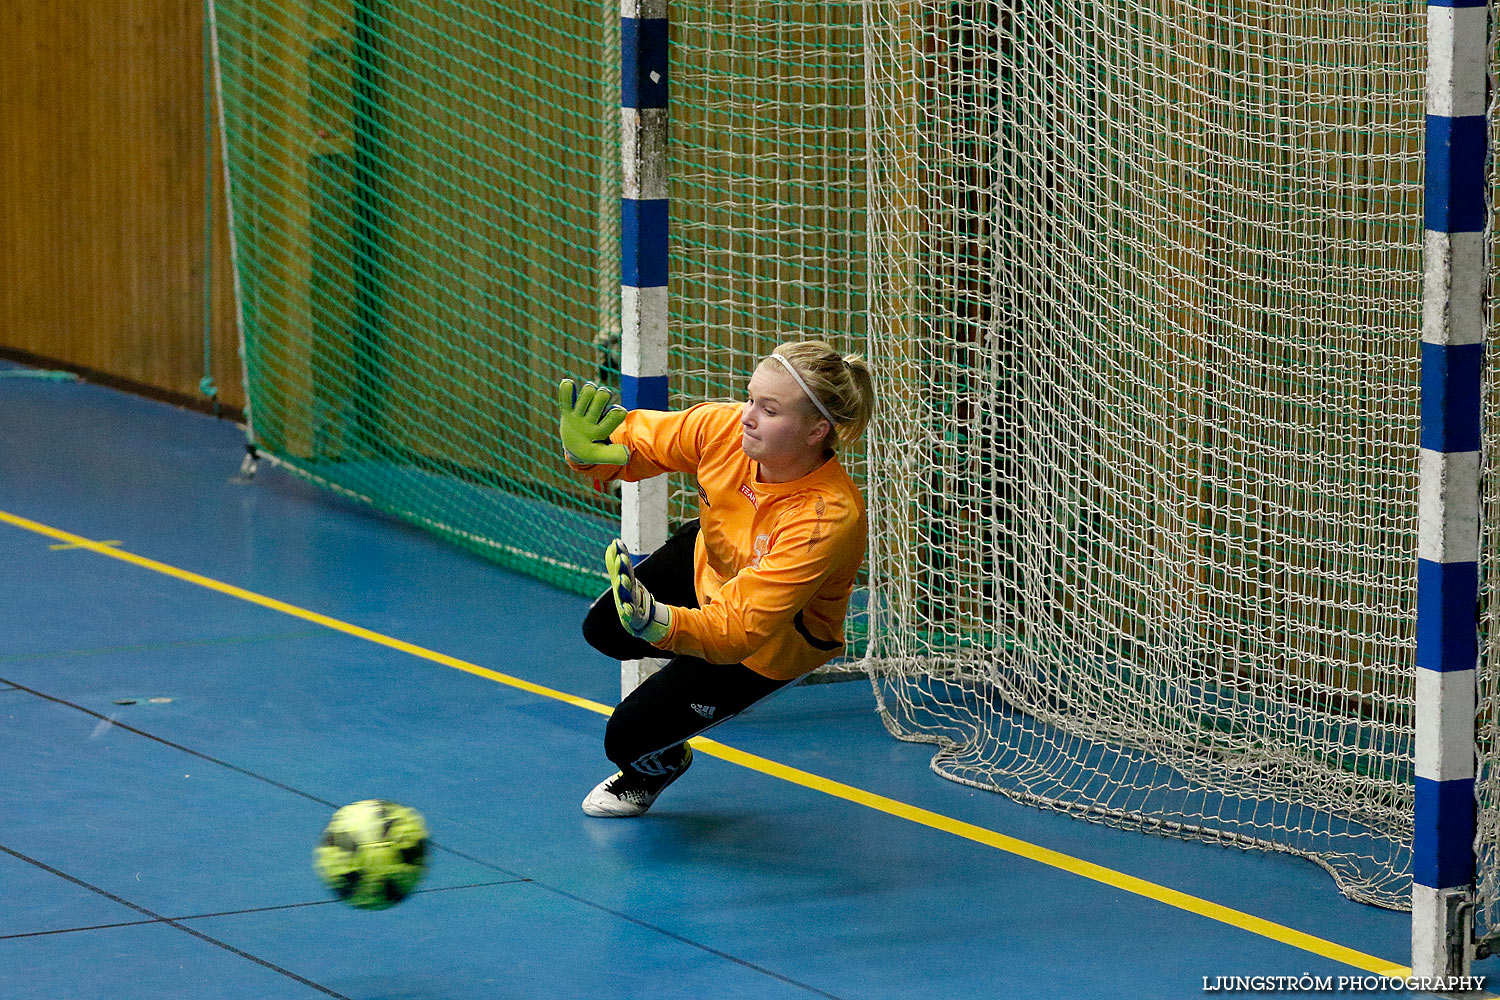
<point>647,731</point>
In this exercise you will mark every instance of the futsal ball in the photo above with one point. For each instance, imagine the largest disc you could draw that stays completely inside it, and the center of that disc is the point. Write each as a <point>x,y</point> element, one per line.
<point>373,853</point>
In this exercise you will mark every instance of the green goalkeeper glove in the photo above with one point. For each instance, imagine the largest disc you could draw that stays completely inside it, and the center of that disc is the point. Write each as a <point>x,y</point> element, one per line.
<point>639,613</point>
<point>587,422</point>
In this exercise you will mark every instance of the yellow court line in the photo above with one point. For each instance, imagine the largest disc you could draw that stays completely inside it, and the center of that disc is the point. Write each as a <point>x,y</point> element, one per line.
<point>105,549</point>
<point>915,814</point>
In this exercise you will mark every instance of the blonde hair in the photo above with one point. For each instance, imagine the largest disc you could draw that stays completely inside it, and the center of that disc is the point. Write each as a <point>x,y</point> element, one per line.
<point>841,382</point>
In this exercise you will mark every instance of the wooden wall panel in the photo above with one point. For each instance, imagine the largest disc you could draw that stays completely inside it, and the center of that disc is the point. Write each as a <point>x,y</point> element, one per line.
<point>102,169</point>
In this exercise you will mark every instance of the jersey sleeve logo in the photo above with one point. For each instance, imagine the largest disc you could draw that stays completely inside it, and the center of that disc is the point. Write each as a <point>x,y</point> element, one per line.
<point>762,546</point>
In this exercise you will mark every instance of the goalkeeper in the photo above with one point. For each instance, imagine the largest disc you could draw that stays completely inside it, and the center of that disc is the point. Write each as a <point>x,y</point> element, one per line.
<point>751,594</point>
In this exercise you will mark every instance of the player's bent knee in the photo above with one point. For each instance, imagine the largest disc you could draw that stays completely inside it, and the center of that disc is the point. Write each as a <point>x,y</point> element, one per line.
<point>622,742</point>
<point>601,629</point>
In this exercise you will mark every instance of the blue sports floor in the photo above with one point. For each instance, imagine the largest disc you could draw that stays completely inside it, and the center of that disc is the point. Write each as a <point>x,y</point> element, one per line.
<point>162,849</point>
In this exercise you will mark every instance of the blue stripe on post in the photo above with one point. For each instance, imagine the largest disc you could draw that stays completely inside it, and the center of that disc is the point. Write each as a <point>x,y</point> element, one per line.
<point>1443,841</point>
<point>1447,599</point>
<point>643,242</point>
<point>1457,3</point>
<point>1455,174</point>
<point>643,50</point>
<point>643,392</point>
<point>1451,396</point>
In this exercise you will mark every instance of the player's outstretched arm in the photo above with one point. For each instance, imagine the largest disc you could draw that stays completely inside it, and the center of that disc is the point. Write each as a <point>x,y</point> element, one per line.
<point>639,613</point>
<point>586,420</point>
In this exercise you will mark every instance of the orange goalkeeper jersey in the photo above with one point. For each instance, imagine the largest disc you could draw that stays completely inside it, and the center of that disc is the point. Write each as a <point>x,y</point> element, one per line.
<point>774,563</point>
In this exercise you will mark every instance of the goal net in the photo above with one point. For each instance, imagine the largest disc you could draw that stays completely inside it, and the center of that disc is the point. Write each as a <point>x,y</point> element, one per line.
<point>1487,728</point>
<point>1145,297</point>
<point>425,201</point>
<point>768,190</point>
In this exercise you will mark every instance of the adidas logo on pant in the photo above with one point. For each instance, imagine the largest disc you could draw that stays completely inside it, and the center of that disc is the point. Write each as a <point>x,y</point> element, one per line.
<point>707,711</point>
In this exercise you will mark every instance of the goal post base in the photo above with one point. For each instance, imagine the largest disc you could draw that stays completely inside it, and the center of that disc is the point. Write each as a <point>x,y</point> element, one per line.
<point>634,672</point>
<point>1442,922</point>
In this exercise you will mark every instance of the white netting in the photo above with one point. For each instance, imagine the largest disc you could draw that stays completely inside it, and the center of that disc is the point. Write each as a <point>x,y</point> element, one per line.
<point>767,185</point>
<point>1487,783</point>
<point>1145,294</point>
<point>767,195</point>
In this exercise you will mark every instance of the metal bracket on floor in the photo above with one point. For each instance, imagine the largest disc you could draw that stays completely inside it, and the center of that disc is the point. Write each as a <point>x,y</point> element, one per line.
<point>1463,946</point>
<point>248,465</point>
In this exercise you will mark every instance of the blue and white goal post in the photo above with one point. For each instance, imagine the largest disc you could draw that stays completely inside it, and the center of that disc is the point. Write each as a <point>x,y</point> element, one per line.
<point>643,265</point>
<point>1443,866</point>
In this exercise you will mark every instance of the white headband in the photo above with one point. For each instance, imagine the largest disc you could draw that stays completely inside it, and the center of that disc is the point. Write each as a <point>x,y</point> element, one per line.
<point>792,371</point>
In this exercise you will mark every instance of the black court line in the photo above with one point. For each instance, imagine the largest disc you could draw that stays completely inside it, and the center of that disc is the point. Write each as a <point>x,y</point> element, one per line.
<point>515,876</point>
<point>237,913</point>
<point>690,942</point>
<point>237,769</point>
<point>151,647</point>
<point>158,918</point>
<point>168,743</point>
